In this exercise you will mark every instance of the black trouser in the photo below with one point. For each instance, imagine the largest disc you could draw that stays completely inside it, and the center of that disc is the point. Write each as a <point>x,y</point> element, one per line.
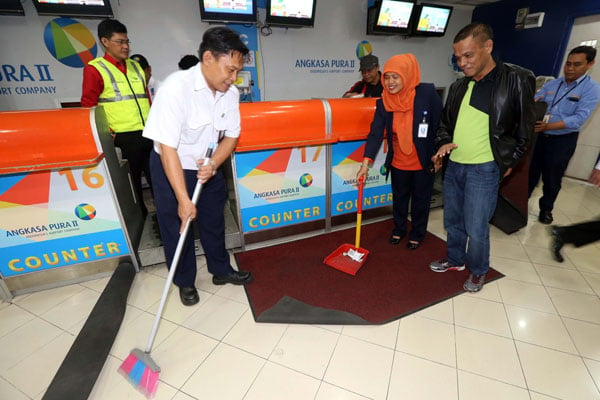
<point>416,187</point>
<point>580,234</point>
<point>136,149</point>
<point>549,161</point>
<point>210,220</point>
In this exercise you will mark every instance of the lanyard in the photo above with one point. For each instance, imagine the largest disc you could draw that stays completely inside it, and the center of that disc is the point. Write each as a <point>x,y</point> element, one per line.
<point>554,101</point>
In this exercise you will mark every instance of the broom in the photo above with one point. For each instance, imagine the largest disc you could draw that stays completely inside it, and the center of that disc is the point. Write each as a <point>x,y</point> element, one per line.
<point>139,367</point>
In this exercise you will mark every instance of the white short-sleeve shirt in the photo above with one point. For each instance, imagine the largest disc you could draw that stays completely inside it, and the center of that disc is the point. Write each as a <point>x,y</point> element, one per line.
<point>187,116</point>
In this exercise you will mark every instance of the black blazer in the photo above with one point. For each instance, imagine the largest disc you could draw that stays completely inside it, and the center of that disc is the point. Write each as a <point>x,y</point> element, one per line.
<point>426,99</point>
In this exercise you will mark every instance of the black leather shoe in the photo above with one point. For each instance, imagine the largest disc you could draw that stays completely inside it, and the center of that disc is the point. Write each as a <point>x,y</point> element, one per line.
<point>545,217</point>
<point>189,296</point>
<point>413,245</point>
<point>395,239</point>
<point>234,277</point>
<point>557,243</point>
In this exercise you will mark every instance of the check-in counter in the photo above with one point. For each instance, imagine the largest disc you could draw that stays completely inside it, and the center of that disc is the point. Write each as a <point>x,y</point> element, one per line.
<point>295,167</point>
<point>68,212</point>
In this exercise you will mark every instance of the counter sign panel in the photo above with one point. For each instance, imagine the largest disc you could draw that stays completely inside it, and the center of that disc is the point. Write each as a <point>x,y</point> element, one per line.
<point>281,187</point>
<point>346,160</point>
<point>59,218</point>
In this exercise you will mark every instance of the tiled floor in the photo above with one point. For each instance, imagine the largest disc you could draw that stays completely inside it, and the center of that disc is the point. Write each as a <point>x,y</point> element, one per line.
<point>532,335</point>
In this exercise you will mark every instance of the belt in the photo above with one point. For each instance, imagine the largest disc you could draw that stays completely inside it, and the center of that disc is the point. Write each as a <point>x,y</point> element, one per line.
<point>130,132</point>
<point>547,135</point>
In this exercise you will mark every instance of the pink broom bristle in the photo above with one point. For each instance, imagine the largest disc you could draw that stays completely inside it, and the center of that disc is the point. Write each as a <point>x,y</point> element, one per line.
<point>128,364</point>
<point>149,383</point>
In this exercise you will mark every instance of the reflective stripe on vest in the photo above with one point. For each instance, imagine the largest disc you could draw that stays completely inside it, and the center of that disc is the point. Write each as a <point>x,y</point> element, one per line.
<point>124,100</point>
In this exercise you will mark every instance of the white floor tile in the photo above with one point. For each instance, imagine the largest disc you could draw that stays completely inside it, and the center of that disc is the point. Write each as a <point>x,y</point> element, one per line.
<point>415,378</point>
<point>511,250</point>
<point>488,355</point>
<point>233,292</point>
<point>40,302</point>
<point>593,279</point>
<point>482,315</point>
<point>443,312</point>
<point>256,338</point>
<point>585,307</point>
<point>476,387</point>
<point>563,279</point>
<point>594,369</point>
<point>382,335</point>
<point>42,365</point>
<point>543,255</point>
<point>585,335</point>
<point>73,311</point>
<point>542,329</point>
<point>360,367</point>
<point>525,295</point>
<point>182,396</point>
<point>330,392</point>
<point>276,382</point>
<point>305,349</point>
<point>135,331</point>
<point>12,317</point>
<point>426,338</point>
<point>215,316</point>
<point>226,374</point>
<point>146,291</point>
<point>24,341</point>
<point>180,354</point>
<point>557,374</point>
<point>516,270</point>
<point>9,391</point>
<point>585,258</point>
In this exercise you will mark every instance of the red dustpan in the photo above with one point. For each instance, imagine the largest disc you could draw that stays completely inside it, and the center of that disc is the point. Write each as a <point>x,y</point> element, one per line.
<point>348,258</point>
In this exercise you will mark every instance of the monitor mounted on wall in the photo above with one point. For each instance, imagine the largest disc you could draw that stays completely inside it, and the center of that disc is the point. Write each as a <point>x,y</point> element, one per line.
<point>235,11</point>
<point>390,17</point>
<point>431,20</point>
<point>11,7</point>
<point>74,8</point>
<point>291,13</point>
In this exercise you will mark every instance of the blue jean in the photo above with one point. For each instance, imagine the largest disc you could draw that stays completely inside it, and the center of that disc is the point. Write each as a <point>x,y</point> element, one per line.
<point>470,196</point>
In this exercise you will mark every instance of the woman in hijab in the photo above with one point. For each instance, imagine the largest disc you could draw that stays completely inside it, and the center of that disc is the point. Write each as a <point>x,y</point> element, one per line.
<point>409,114</point>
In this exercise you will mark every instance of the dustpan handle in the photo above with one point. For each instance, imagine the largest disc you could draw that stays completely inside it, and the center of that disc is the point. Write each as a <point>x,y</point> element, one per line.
<point>361,184</point>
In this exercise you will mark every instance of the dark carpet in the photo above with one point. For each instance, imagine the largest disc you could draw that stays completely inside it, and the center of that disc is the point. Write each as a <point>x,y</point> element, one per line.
<point>293,285</point>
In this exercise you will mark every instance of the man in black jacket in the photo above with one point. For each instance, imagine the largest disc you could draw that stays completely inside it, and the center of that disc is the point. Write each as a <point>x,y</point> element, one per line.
<point>485,128</point>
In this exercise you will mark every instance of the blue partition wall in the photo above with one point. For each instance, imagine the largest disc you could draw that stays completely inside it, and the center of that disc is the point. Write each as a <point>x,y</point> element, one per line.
<point>539,49</point>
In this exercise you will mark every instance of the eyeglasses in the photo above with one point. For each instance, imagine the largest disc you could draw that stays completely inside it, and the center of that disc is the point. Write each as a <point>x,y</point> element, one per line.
<point>121,42</point>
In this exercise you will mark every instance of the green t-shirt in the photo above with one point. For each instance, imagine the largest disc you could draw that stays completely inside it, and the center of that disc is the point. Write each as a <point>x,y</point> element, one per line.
<point>472,133</point>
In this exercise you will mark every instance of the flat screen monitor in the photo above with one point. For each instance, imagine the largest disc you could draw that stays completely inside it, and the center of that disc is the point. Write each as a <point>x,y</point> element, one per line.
<point>391,17</point>
<point>292,13</point>
<point>11,7</point>
<point>74,8</point>
<point>240,11</point>
<point>432,20</point>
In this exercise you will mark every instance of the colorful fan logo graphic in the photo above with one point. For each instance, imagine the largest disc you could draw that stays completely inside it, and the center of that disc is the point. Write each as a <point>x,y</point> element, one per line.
<point>85,212</point>
<point>363,48</point>
<point>70,42</point>
<point>306,180</point>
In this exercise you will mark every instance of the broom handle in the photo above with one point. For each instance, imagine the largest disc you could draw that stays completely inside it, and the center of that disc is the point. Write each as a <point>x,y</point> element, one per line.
<point>176,256</point>
<point>361,182</point>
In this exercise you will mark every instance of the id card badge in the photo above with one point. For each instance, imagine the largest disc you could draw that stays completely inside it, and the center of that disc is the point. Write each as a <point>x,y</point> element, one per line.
<point>546,118</point>
<point>423,130</point>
